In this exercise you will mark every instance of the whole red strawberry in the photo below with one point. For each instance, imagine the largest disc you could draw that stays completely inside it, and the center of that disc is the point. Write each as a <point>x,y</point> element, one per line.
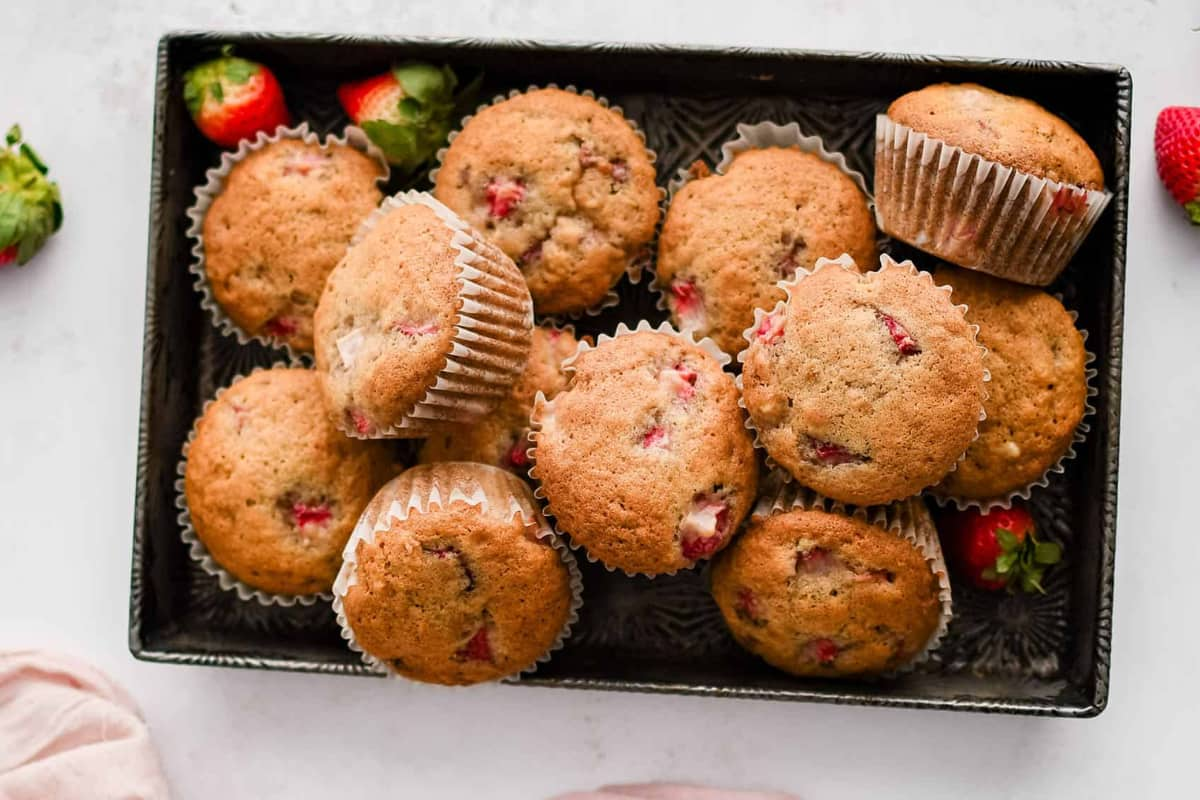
<point>1177,148</point>
<point>232,99</point>
<point>998,550</point>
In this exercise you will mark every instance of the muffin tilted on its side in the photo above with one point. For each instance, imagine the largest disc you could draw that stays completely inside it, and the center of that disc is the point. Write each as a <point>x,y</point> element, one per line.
<point>421,325</point>
<point>563,185</point>
<point>644,459</point>
<point>453,576</point>
<point>729,238</point>
<point>272,489</point>
<point>985,180</point>
<point>867,387</point>
<point>278,222</point>
<point>1038,391</point>
<point>501,438</point>
<point>818,592</point>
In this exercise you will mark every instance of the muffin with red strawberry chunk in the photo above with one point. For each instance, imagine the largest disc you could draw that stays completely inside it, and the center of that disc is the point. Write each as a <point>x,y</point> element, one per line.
<point>272,489</point>
<point>986,180</point>
<point>817,592</point>
<point>454,577</point>
<point>563,185</point>
<point>502,437</point>
<point>272,228</point>
<point>421,325</point>
<point>1038,391</point>
<point>729,238</point>
<point>865,387</point>
<point>644,459</point>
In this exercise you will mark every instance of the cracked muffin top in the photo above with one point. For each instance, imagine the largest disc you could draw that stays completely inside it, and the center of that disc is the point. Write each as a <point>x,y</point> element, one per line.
<point>273,488</point>
<point>281,222</point>
<point>644,459</point>
<point>1038,392</point>
<point>389,320</point>
<point>729,239</point>
<point>501,438</point>
<point>458,584</point>
<point>1013,131</point>
<point>561,184</point>
<point>865,387</point>
<point>819,593</point>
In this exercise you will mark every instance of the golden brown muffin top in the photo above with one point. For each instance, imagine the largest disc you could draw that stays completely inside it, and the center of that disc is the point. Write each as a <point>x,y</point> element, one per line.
<point>866,388</point>
<point>561,184</point>
<point>273,488</point>
<point>819,593</point>
<point>279,225</point>
<point>1038,392</point>
<point>644,459</point>
<point>1014,131</point>
<point>728,239</point>
<point>454,592</point>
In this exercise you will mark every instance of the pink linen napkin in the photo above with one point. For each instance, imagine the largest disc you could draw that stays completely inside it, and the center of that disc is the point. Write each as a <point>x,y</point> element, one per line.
<point>67,731</point>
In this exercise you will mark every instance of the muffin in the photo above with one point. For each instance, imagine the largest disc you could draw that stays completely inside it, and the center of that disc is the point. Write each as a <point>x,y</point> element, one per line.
<point>987,181</point>
<point>272,489</point>
<point>644,459</point>
<point>454,577</point>
<point>728,239</point>
<point>563,185</point>
<point>502,437</point>
<point>818,593</point>
<point>865,387</point>
<point>421,325</point>
<point>1038,392</point>
<point>278,223</point>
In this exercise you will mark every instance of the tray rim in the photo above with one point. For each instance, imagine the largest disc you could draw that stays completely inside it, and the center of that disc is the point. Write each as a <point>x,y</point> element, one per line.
<point>1109,427</point>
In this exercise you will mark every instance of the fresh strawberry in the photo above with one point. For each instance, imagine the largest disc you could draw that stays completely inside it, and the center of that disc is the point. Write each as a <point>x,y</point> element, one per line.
<point>998,550</point>
<point>30,205</point>
<point>232,99</point>
<point>1177,149</point>
<point>406,111</point>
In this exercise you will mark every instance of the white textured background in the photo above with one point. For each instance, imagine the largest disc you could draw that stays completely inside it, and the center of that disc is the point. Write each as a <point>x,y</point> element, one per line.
<point>79,77</point>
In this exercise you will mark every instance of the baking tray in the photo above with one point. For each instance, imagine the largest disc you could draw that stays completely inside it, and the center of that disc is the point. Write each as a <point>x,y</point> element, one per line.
<point>1046,655</point>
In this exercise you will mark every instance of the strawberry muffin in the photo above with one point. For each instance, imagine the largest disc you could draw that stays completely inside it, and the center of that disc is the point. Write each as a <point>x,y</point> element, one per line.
<point>272,489</point>
<point>985,180</point>
<point>728,239</point>
<point>1038,392</point>
<point>563,185</point>
<point>421,325</point>
<point>278,223</point>
<point>644,459</point>
<point>818,593</point>
<point>453,576</point>
<point>865,387</point>
<point>502,437</point>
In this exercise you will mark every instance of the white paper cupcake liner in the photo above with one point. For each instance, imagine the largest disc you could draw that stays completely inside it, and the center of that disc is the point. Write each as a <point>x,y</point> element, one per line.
<point>215,183</point>
<point>788,286</point>
<point>197,551</point>
<point>758,136</point>
<point>1059,467</point>
<point>909,519</point>
<point>420,489</point>
<point>543,408</point>
<point>640,263</point>
<point>975,212</point>
<point>477,373</point>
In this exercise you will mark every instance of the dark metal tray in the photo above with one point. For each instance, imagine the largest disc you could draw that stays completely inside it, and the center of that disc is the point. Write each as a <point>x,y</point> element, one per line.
<point>1035,655</point>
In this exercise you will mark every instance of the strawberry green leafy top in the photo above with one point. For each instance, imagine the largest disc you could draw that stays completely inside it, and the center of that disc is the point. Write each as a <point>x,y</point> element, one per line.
<point>30,205</point>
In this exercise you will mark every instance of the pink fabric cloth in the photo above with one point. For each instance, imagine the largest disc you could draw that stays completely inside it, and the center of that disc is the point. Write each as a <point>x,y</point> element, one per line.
<point>671,791</point>
<point>67,731</point>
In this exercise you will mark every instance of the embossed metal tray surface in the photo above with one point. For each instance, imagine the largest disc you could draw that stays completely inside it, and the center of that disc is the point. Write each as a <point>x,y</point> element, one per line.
<point>1046,654</point>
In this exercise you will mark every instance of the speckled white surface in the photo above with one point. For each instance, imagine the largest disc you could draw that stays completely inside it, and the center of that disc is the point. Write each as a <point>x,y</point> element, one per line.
<point>79,77</point>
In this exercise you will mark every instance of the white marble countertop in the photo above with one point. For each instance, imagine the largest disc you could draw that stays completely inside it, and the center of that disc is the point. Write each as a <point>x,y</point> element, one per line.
<point>79,78</point>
